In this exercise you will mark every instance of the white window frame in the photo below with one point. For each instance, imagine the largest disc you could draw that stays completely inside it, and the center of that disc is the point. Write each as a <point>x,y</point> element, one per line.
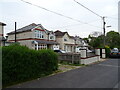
<point>39,34</point>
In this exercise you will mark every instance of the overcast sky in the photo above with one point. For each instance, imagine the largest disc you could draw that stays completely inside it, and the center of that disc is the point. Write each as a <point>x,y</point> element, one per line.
<point>25,14</point>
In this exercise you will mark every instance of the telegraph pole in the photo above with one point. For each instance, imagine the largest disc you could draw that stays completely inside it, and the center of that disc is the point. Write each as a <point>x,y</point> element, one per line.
<point>15,31</point>
<point>103,19</point>
<point>104,30</point>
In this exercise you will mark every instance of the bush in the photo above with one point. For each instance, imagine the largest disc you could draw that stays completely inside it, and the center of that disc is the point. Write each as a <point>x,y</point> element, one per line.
<point>107,49</point>
<point>20,63</point>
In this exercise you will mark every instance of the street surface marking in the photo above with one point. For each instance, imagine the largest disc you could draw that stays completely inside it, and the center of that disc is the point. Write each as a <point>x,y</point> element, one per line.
<point>109,65</point>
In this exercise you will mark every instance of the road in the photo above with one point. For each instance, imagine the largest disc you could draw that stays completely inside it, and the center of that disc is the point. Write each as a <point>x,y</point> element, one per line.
<point>101,75</point>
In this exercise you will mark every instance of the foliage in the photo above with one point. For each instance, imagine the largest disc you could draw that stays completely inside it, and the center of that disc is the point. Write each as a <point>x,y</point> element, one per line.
<point>112,40</point>
<point>96,41</point>
<point>107,49</point>
<point>20,63</point>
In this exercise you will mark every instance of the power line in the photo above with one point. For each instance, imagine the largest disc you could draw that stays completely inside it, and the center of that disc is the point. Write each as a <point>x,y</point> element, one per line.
<point>72,25</point>
<point>59,14</point>
<point>88,9</point>
<point>103,19</point>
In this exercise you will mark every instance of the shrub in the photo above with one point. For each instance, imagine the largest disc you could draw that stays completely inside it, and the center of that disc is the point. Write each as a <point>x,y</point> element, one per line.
<point>107,49</point>
<point>20,63</point>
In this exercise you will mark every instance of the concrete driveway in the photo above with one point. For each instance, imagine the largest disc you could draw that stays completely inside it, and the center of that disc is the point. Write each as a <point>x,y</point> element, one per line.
<point>101,75</point>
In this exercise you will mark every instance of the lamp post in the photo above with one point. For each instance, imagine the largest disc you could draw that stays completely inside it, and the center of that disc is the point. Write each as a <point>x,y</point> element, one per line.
<point>105,33</point>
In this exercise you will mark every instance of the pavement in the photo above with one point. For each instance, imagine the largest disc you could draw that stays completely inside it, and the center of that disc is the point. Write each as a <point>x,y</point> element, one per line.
<point>100,75</point>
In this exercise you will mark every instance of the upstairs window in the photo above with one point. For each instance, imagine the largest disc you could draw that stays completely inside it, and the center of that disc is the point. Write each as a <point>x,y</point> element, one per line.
<point>39,34</point>
<point>65,39</point>
<point>52,37</point>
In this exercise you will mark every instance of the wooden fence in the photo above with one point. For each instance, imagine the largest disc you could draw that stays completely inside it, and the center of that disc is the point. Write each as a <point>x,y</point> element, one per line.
<point>70,57</point>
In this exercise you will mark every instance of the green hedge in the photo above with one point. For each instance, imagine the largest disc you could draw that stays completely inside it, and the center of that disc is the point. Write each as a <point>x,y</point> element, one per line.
<point>20,63</point>
<point>107,49</point>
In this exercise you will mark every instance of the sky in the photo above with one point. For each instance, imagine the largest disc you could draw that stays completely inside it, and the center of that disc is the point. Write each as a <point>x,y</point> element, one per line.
<point>82,24</point>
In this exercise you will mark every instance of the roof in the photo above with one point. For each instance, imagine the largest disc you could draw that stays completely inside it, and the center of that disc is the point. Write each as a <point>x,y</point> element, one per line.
<point>3,24</point>
<point>72,37</point>
<point>26,28</point>
<point>59,33</point>
<point>46,42</point>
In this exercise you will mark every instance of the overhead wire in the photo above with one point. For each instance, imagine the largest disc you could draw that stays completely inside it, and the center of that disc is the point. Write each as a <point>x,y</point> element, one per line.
<point>73,25</point>
<point>88,9</point>
<point>60,14</point>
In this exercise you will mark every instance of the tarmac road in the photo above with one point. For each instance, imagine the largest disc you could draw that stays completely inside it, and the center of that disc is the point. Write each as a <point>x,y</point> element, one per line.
<point>101,75</point>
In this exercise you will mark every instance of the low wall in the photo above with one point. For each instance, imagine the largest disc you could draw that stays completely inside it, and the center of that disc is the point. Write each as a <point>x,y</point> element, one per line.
<point>90,60</point>
<point>69,57</point>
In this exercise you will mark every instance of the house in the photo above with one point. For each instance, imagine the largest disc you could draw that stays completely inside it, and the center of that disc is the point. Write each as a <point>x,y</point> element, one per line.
<point>67,42</point>
<point>79,43</point>
<point>34,36</point>
<point>2,39</point>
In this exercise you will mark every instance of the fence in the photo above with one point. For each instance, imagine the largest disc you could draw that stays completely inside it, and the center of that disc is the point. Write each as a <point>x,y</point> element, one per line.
<point>70,57</point>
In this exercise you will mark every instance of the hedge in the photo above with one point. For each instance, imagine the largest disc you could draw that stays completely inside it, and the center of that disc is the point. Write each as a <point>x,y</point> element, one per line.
<point>20,63</point>
<point>107,49</point>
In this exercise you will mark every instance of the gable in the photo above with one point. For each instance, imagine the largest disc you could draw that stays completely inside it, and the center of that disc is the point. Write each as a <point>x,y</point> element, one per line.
<point>40,28</point>
<point>66,37</point>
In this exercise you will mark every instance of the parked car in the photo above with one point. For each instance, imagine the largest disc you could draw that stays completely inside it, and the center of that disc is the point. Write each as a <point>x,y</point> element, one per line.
<point>89,51</point>
<point>119,53</point>
<point>115,53</point>
<point>59,51</point>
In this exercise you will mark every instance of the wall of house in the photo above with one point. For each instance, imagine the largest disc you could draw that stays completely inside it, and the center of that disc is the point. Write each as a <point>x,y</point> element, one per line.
<point>68,44</point>
<point>27,43</point>
<point>1,30</point>
<point>60,41</point>
<point>69,40</point>
<point>52,35</point>
<point>23,35</point>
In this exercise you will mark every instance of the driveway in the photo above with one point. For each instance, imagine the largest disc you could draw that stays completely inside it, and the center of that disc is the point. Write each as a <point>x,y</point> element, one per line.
<point>101,75</point>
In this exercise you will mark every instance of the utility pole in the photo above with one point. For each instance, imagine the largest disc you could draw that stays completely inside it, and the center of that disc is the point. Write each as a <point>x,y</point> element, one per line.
<point>15,31</point>
<point>104,30</point>
<point>103,19</point>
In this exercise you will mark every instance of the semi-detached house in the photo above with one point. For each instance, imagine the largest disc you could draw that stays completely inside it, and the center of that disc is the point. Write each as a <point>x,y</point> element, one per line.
<point>68,43</point>
<point>34,36</point>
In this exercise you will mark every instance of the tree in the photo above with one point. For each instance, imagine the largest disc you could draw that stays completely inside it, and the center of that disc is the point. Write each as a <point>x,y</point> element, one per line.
<point>96,41</point>
<point>113,39</point>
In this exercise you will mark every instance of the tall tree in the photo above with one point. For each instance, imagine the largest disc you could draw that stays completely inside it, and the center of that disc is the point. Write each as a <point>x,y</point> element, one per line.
<point>113,39</point>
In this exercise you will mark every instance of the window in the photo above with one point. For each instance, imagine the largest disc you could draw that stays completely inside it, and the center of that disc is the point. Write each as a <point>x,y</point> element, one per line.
<point>51,37</point>
<point>42,46</point>
<point>65,39</point>
<point>39,34</point>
